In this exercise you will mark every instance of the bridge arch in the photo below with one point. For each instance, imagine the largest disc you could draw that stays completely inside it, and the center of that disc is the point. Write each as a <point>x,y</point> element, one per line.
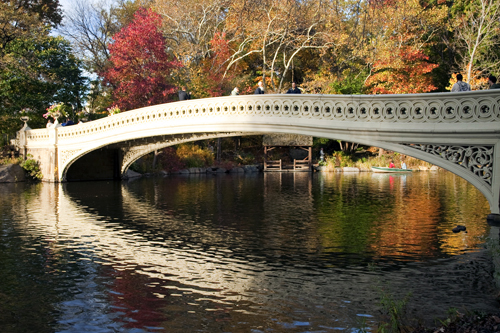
<point>428,153</point>
<point>459,132</point>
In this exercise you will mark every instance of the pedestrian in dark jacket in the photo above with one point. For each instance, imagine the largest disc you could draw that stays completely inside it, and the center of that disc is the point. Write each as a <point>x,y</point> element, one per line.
<point>294,89</point>
<point>68,122</point>
<point>260,88</point>
<point>184,95</point>
<point>492,81</point>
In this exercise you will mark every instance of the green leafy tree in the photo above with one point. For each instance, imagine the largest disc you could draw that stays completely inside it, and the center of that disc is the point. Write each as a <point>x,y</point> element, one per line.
<point>23,18</point>
<point>36,69</point>
<point>38,72</point>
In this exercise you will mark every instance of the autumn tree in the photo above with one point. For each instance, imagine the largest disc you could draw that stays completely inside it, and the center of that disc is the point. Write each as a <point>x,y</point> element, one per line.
<point>189,27</point>
<point>402,30</point>
<point>210,79</point>
<point>477,31</point>
<point>342,67</point>
<point>90,25</point>
<point>140,72</point>
<point>310,31</point>
<point>403,72</point>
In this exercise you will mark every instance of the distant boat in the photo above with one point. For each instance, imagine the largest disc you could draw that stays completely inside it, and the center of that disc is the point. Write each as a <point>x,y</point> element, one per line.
<point>382,169</point>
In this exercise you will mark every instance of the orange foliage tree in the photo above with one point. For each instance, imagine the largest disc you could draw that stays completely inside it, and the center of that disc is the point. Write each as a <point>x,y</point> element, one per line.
<point>401,33</point>
<point>402,72</point>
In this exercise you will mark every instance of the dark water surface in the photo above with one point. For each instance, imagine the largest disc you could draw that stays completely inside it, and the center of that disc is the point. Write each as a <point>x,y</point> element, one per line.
<point>273,252</point>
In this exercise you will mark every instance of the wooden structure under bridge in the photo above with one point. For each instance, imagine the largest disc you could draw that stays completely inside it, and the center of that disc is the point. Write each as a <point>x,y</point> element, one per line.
<point>300,142</point>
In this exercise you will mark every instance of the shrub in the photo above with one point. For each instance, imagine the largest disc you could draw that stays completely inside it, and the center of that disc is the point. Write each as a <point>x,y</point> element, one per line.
<point>32,167</point>
<point>170,161</point>
<point>193,156</point>
<point>244,158</point>
<point>341,159</point>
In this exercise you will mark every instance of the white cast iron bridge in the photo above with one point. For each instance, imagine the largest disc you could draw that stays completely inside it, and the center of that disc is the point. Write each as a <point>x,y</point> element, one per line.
<point>459,132</point>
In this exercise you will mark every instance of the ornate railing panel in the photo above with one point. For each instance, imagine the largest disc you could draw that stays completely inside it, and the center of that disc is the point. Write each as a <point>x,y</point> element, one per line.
<point>477,159</point>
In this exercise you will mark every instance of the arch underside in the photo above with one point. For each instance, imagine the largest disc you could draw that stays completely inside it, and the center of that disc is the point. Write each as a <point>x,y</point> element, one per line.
<point>132,150</point>
<point>132,154</point>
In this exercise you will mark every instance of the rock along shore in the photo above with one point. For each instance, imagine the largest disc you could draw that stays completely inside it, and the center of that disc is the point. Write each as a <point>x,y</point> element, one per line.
<point>250,169</point>
<point>12,173</point>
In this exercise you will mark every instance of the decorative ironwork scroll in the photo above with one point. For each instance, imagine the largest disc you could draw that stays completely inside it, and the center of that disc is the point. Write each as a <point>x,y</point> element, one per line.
<point>476,159</point>
<point>66,155</point>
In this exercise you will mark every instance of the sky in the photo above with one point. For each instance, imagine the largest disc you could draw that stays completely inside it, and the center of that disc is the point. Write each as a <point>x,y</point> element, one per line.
<point>65,4</point>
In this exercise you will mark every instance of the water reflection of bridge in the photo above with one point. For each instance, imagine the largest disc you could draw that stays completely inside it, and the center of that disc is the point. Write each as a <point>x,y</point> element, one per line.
<point>212,279</point>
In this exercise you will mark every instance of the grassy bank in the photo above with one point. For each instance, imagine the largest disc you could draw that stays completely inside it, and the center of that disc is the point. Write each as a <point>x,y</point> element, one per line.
<point>364,161</point>
<point>29,165</point>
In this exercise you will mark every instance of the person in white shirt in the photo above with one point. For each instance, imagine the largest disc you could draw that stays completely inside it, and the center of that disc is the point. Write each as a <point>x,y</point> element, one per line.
<point>460,85</point>
<point>260,88</point>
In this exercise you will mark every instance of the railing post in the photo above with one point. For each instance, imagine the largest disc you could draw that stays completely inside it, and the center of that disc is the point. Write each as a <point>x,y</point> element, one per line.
<point>51,170</point>
<point>21,137</point>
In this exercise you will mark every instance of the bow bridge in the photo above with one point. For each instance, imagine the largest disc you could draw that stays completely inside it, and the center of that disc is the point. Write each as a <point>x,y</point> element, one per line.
<point>459,132</point>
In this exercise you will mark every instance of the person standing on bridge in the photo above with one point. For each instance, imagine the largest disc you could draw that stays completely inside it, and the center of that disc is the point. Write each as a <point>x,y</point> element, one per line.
<point>492,81</point>
<point>460,85</point>
<point>183,94</point>
<point>260,88</point>
<point>294,89</point>
<point>235,91</point>
<point>68,122</point>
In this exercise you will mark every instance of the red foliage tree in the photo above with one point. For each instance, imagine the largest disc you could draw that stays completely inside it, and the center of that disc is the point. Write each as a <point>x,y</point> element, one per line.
<point>140,64</point>
<point>221,52</point>
<point>210,81</point>
<point>170,161</point>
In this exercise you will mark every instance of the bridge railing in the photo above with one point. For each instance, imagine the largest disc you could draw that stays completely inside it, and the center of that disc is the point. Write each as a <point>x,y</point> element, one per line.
<point>468,107</point>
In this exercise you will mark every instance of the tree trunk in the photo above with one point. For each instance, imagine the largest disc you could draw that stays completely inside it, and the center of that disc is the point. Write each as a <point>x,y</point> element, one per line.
<point>219,149</point>
<point>155,157</point>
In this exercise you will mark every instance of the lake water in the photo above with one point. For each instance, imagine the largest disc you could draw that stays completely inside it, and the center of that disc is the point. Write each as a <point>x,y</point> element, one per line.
<point>263,252</point>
